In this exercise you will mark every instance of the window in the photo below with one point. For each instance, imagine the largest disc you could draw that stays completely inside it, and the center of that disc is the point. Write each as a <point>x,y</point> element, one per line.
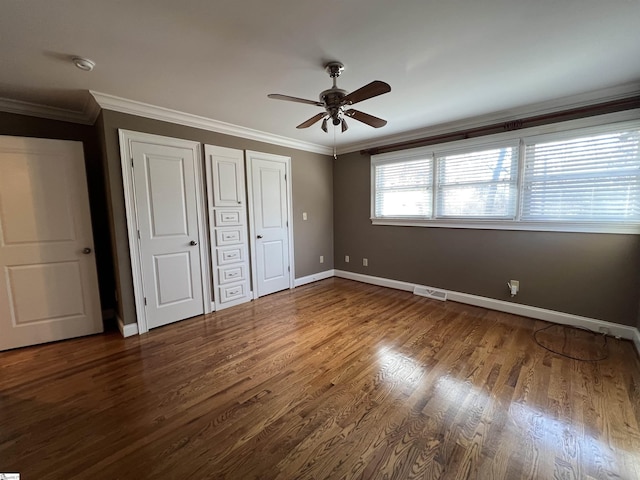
<point>478,184</point>
<point>591,178</point>
<point>403,189</point>
<point>577,180</point>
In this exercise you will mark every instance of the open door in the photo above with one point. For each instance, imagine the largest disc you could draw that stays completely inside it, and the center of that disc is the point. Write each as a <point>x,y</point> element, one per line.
<point>48,279</point>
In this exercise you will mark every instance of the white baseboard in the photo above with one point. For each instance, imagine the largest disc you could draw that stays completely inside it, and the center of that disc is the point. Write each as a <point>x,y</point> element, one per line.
<point>127,330</point>
<point>314,278</point>
<point>615,329</point>
<point>382,282</point>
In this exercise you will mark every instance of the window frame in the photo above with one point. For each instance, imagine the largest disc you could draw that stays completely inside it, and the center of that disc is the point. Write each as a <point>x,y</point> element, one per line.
<point>557,131</point>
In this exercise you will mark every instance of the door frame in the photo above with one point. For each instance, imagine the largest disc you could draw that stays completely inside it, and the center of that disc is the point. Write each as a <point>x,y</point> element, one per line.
<point>126,137</point>
<point>249,156</point>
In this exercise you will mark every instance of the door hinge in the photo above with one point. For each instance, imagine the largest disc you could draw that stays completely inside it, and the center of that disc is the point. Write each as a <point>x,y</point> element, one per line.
<point>138,234</point>
<point>145,301</point>
<point>287,222</point>
<point>131,162</point>
<point>289,268</point>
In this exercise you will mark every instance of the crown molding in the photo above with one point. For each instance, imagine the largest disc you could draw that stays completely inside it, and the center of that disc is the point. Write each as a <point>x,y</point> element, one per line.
<point>87,116</point>
<point>132,107</point>
<point>543,108</point>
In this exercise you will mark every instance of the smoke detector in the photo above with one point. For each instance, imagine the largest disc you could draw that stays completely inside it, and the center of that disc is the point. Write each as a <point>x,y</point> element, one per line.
<point>84,63</point>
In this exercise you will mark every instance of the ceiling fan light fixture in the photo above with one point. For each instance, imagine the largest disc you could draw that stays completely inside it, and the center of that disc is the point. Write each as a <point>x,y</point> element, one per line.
<point>336,100</point>
<point>84,63</point>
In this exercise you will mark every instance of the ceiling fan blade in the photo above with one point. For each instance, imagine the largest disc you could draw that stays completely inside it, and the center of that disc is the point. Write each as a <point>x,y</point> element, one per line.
<point>277,96</point>
<point>375,122</point>
<point>312,120</point>
<point>371,90</point>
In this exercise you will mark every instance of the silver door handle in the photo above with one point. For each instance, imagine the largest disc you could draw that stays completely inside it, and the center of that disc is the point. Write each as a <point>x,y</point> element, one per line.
<point>193,243</point>
<point>259,236</point>
<point>86,251</point>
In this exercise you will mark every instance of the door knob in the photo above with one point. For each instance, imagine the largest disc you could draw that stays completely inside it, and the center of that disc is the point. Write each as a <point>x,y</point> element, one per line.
<point>259,236</point>
<point>193,243</point>
<point>86,251</point>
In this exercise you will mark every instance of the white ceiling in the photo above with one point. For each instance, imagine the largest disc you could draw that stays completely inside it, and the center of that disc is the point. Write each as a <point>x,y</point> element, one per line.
<point>445,60</point>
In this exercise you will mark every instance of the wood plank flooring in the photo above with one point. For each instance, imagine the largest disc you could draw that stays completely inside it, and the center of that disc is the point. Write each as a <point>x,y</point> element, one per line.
<point>333,380</point>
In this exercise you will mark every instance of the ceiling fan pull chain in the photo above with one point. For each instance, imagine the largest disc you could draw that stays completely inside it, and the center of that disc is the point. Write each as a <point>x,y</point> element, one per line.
<point>335,156</point>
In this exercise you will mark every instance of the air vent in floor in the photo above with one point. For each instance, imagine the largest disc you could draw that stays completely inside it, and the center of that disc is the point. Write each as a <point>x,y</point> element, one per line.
<point>429,292</point>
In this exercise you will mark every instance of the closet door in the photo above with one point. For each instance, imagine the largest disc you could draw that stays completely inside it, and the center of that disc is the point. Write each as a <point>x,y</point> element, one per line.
<point>167,206</point>
<point>228,225</point>
<point>166,217</point>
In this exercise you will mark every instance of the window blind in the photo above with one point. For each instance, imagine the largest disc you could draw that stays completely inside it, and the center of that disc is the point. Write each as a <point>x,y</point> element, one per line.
<point>478,184</point>
<point>588,178</point>
<point>404,189</point>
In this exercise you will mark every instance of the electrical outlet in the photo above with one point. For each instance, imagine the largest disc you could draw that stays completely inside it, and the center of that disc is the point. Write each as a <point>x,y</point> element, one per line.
<point>365,262</point>
<point>346,258</point>
<point>321,258</point>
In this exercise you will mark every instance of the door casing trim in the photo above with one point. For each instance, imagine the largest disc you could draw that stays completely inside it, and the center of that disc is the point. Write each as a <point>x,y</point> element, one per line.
<point>126,137</point>
<point>249,155</point>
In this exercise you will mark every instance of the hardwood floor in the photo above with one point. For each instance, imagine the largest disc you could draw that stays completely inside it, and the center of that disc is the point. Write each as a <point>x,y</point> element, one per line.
<point>336,380</point>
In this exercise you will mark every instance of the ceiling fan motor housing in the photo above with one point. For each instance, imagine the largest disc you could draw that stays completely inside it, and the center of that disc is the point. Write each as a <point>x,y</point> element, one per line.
<point>332,100</point>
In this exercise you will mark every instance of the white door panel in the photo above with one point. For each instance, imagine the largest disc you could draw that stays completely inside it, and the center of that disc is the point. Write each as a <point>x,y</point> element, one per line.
<point>173,277</point>
<point>57,283</point>
<point>270,221</point>
<point>168,215</point>
<point>166,202</point>
<point>48,285</point>
<point>274,261</point>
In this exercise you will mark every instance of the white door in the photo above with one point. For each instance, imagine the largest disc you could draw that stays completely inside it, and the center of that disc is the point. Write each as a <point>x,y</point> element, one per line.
<point>228,225</point>
<point>48,279</point>
<point>166,204</point>
<point>270,222</point>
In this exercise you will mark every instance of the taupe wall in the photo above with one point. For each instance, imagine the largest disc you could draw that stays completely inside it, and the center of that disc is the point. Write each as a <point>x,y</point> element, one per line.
<point>26,126</point>
<point>593,275</point>
<point>312,193</point>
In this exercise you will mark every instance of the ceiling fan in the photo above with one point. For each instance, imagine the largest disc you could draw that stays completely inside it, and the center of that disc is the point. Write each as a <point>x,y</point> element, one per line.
<point>337,101</point>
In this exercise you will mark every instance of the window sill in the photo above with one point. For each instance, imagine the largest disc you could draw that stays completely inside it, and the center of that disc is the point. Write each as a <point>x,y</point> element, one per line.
<point>578,227</point>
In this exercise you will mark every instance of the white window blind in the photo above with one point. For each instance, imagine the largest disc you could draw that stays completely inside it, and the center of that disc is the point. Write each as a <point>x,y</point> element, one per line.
<point>478,184</point>
<point>585,178</point>
<point>404,189</point>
